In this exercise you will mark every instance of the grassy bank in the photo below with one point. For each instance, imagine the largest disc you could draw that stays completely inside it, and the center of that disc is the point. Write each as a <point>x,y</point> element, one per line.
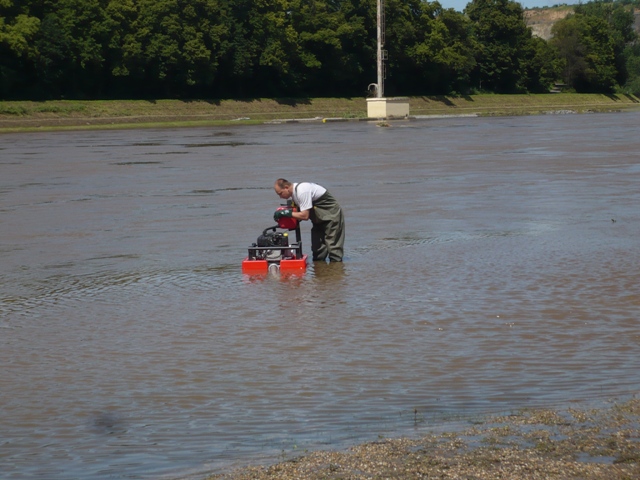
<point>574,443</point>
<point>101,114</point>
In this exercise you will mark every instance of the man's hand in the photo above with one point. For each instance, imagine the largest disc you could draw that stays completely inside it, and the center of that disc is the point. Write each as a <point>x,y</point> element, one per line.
<point>283,212</point>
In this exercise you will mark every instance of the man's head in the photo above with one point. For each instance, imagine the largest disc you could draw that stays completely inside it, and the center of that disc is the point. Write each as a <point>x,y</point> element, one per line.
<point>283,188</point>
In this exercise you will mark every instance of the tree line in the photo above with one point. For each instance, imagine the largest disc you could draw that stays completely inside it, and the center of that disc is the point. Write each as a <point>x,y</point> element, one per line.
<point>95,49</point>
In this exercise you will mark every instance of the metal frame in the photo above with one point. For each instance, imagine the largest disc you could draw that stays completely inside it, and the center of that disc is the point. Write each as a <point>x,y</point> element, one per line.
<point>293,246</point>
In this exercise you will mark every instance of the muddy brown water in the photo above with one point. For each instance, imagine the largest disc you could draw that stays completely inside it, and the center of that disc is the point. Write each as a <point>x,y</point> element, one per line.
<point>491,264</point>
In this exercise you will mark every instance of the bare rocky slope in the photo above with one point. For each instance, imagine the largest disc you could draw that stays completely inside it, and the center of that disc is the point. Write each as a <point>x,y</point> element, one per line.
<point>541,20</point>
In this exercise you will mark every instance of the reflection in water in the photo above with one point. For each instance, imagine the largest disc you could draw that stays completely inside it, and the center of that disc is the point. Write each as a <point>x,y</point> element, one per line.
<point>328,273</point>
<point>107,423</point>
<point>483,272</point>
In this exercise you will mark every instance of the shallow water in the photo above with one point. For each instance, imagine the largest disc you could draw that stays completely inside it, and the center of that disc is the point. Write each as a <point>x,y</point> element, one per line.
<point>491,264</point>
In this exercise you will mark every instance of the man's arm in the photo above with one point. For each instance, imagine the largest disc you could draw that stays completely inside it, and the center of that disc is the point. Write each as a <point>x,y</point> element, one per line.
<point>303,215</point>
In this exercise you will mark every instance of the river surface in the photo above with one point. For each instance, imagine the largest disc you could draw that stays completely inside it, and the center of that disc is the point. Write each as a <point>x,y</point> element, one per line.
<point>491,264</point>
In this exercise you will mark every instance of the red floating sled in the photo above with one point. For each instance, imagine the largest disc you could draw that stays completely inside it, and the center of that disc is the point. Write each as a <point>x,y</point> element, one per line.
<point>273,250</point>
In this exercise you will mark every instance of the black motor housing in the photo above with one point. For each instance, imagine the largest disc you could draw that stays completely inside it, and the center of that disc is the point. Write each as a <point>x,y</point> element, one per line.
<point>271,246</point>
<point>273,239</point>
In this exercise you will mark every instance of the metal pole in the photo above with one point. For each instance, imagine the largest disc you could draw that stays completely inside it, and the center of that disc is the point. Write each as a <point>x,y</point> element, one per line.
<point>379,92</point>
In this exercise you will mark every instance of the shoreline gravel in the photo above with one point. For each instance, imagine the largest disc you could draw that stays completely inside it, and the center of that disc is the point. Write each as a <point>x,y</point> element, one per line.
<point>590,443</point>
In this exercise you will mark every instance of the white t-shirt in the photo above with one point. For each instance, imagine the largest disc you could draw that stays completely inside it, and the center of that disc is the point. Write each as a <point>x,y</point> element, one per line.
<point>304,194</point>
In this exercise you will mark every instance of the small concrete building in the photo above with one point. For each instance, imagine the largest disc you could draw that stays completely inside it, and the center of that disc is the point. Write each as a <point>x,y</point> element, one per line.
<point>395,107</point>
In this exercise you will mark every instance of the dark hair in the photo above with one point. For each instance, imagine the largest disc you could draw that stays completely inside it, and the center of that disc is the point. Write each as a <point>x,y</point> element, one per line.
<point>282,183</point>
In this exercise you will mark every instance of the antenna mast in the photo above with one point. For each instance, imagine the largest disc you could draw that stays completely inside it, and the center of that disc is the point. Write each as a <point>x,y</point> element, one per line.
<point>378,106</point>
<point>381,52</point>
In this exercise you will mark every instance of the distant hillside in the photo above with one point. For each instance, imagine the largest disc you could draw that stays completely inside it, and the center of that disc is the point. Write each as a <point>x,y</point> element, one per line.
<point>542,19</point>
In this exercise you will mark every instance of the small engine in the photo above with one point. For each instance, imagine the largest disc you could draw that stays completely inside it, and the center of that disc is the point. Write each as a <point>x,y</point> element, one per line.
<point>271,239</point>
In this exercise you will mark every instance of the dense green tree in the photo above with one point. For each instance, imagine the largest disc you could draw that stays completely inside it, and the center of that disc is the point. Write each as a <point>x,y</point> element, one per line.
<point>619,17</point>
<point>336,42</point>
<point>431,49</point>
<point>587,46</point>
<point>165,47</point>
<point>504,45</point>
<point>71,47</point>
<point>253,53</point>
<point>632,64</point>
<point>124,50</point>
<point>278,48</point>
<point>542,67</point>
<point>17,51</point>
<point>620,20</point>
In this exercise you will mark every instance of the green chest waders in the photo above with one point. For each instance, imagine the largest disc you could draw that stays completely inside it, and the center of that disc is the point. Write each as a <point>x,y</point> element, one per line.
<point>327,233</point>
